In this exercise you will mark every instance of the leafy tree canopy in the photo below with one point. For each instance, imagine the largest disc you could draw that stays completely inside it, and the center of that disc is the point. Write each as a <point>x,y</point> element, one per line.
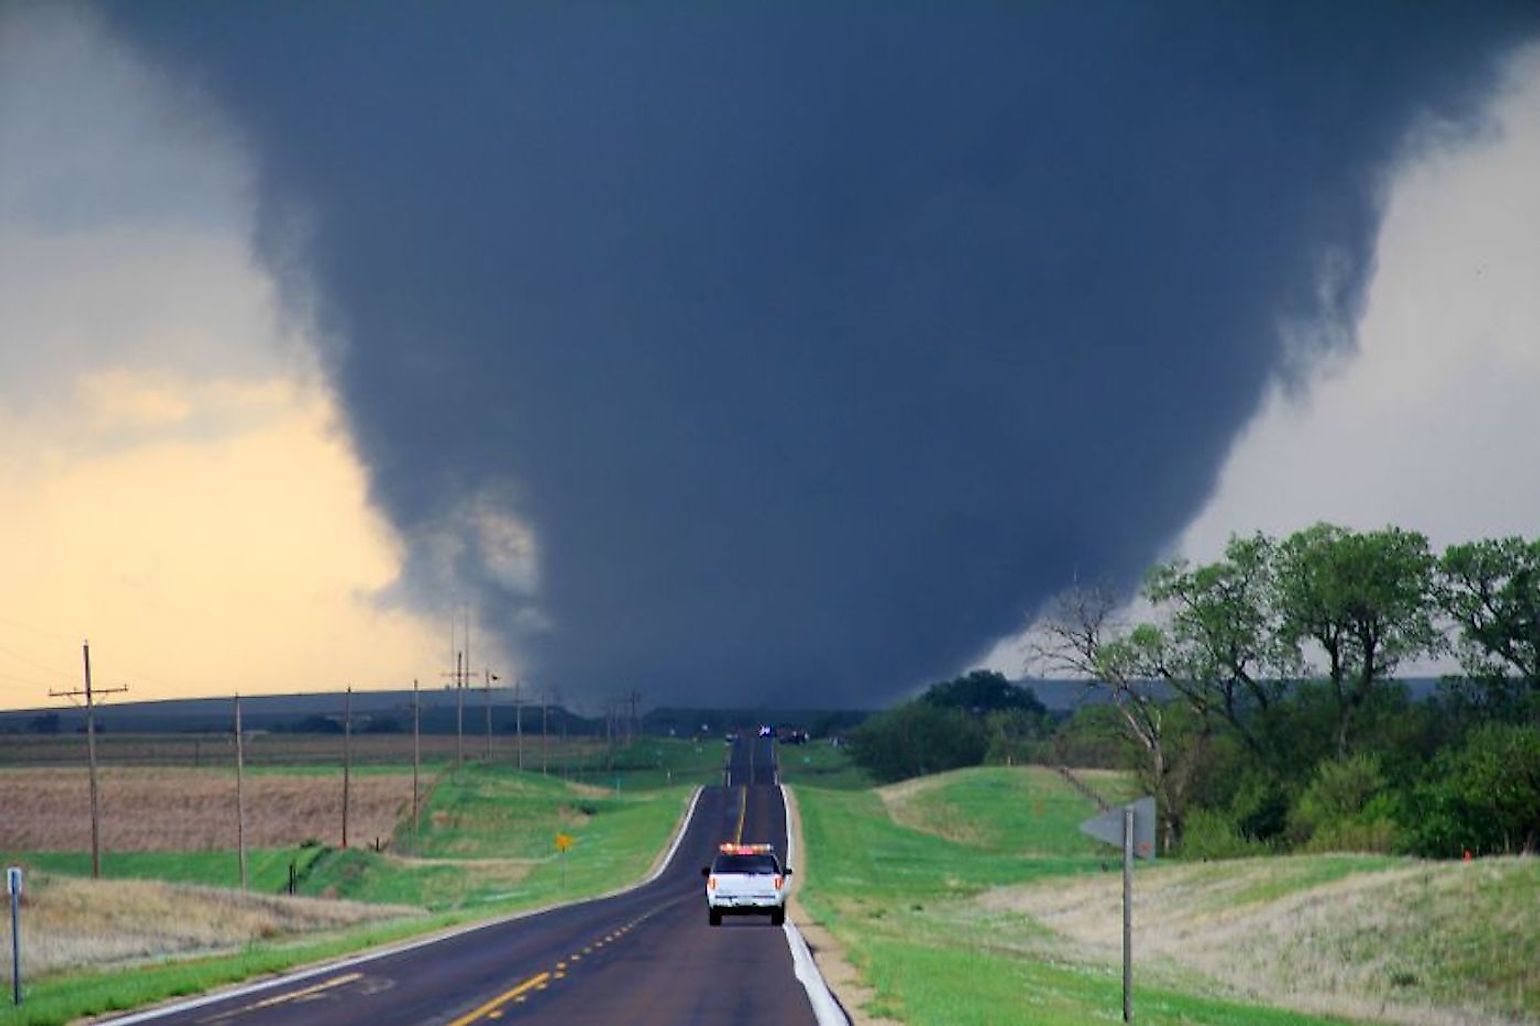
<point>981,692</point>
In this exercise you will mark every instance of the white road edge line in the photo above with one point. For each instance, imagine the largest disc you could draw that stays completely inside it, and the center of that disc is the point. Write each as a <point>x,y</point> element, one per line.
<point>374,956</point>
<point>825,1007</point>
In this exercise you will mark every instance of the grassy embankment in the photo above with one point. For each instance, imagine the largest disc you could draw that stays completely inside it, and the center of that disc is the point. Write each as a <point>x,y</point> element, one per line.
<point>973,898</point>
<point>485,846</point>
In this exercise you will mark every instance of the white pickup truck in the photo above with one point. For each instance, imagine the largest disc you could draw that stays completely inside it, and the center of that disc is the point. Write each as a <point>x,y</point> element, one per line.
<point>745,879</point>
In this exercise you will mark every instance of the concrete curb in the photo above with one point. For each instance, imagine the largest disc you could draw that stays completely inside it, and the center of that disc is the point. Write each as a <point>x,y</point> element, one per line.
<point>826,1006</point>
<point>301,975</point>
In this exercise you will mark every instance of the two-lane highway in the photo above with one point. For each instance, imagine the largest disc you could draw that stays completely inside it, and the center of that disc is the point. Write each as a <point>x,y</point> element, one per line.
<point>645,957</point>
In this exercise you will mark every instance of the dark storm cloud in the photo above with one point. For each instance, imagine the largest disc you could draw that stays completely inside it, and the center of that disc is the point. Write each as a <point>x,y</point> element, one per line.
<point>816,345</point>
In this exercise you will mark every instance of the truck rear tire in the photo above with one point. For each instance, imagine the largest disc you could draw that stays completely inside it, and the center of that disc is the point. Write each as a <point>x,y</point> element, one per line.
<point>714,917</point>
<point>778,917</point>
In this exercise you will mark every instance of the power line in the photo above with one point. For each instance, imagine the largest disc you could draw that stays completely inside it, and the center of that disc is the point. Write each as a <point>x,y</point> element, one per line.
<point>51,670</point>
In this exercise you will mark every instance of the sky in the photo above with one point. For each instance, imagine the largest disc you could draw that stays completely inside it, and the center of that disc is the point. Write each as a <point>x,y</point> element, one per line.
<point>763,357</point>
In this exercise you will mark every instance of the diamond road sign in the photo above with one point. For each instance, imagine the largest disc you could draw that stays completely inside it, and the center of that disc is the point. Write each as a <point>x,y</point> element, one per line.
<point>1108,827</point>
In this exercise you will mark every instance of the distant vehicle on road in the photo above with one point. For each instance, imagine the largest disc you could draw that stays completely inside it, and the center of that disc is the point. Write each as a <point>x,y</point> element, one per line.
<point>766,730</point>
<point>745,879</point>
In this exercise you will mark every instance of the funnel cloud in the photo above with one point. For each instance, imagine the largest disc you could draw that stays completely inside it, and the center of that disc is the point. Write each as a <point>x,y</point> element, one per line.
<point>792,354</point>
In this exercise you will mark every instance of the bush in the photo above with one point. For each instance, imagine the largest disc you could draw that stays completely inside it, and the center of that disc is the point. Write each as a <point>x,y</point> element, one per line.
<point>1212,835</point>
<point>916,738</point>
<point>1482,797</point>
<point>1260,809</point>
<point>1346,807</point>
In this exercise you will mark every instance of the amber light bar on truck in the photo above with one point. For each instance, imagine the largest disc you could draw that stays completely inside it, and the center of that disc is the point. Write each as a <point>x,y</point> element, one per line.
<point>747,849</point>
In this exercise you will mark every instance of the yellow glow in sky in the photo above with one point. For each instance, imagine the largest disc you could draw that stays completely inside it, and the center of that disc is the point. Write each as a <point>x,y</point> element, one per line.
<point>207,537</point>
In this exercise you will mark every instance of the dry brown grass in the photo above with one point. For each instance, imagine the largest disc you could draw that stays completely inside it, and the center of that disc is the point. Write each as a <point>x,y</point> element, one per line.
<point>192,810</point>
<point>1423,944</point>
<point>72,923</point>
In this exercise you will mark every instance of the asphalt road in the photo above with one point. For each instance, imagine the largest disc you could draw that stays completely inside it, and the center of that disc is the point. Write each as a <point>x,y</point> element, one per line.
<point>646,957</point>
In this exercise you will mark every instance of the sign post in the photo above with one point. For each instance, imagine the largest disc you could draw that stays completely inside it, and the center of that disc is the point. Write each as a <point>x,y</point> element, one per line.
<point>563,842</point>
<point>13,887</point>
<point>1131,828</point>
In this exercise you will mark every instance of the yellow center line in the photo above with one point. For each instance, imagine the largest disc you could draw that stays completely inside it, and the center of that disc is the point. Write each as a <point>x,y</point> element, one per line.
<point>534,982</point>
<point>293,995</point>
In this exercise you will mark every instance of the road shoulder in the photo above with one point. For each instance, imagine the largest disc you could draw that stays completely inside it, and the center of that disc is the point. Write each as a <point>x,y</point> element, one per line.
<point>838,974</point>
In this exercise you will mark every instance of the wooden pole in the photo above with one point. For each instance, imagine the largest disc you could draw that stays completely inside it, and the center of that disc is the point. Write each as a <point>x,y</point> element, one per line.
<point>1128,913</point>
<point>486,701</point>
<point>96,832</point>
<point>240,795</point>
<point>347,760</point>
<point>459,709</point>
<point>416,759</point>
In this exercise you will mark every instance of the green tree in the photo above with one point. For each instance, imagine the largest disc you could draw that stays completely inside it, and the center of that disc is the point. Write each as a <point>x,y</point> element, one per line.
<point>1483,796</point>
<point>1222,650</point>
<point>1079,635</point>
<point>1366,599</point>
<point>1345,807</point>
<point>981,692</point>
<point>917,738</point>
<point>1491,589</point>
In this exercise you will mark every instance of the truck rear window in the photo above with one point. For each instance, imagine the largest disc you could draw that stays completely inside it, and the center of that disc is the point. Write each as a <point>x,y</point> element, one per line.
<point>752,864</point>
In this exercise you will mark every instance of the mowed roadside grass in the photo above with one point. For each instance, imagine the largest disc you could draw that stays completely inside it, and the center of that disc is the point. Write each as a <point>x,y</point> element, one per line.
<point>820,764</point>
<point>905,903</point>
<point>488,837</point>
<point>1384,939</point>
<point>267,869</point>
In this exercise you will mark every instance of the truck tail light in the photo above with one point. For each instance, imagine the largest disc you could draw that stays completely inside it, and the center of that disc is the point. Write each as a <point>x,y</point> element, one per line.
<point>777,883</point>
<point>711,883</point>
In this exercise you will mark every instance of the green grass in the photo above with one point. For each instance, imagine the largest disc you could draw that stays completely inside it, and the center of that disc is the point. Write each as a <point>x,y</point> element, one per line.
<point>858,850</point>
<point>267,869</point>
<point>1029,810</point>
<point>489,835</point>
<point>900,900</point>
<point>962,984</point>
<point>1290,876</point>
<point>648,764</point>
<point>820,764</point>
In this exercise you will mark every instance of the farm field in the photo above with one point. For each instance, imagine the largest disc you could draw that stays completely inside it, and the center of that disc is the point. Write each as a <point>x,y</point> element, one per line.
<point>174,809</point>
<point>971,897</point>
<point>203,751</point>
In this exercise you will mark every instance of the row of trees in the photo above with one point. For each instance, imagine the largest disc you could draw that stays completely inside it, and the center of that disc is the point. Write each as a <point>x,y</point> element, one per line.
<point>1260,690</point>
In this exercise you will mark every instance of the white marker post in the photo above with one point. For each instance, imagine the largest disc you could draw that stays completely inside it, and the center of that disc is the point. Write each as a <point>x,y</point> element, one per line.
<point>13,887</point>
<point>1131,828</point>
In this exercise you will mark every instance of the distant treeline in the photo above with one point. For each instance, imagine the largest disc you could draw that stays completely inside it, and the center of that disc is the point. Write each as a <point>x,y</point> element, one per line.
<point>1258,702</point>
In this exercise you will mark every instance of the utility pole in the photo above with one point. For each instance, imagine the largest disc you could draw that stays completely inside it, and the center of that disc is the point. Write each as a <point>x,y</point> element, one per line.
<point>347,759</point>
<point>240,795</point>
<point>89,694</point>
<point>545,734</point>
<point>486,696</point>
<point>416,758</point>
<point>634,726</point>
<point>459,709</point>
<point>518,721</point>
